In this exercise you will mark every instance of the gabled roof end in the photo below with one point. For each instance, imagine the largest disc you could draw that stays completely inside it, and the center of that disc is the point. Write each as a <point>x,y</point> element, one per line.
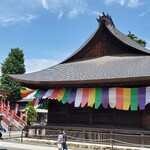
<point>105,19</point>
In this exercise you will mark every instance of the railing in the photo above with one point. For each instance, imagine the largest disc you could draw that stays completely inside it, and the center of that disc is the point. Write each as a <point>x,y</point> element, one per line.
<point>6,121</point>
<point>20,121</point>
<point>16,123</point>
<point>137,139</point>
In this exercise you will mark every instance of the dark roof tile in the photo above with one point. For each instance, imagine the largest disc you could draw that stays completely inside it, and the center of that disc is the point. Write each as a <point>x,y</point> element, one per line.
<point>108,67</point>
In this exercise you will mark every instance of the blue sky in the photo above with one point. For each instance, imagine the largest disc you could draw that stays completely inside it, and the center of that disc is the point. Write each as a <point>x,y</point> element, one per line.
<point>48,31</point>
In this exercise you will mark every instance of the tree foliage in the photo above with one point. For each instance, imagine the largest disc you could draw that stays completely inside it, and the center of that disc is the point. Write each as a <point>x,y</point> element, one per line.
<point>13,64</point>
<point>136,39</point>
<point>32,113</point>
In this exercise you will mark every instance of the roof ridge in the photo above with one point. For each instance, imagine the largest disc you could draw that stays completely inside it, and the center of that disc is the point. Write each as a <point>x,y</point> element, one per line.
<point>106,19</point>
<point>126,40</point>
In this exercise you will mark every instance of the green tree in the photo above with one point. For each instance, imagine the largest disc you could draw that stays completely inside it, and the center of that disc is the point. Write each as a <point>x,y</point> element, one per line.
<point>13,64</point>
<point>32,113</point>
<point>136,39</point>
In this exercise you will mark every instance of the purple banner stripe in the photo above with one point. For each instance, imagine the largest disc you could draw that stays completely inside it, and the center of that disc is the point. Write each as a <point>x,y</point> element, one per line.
<point>105,97</point>
<point>72,95</point>
<point>40,100</point>
<point>142,97</point>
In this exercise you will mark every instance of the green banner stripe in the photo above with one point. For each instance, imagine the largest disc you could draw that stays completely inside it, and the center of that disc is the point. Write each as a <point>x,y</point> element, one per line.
<point>66,96</point>
<point>37,94</point>
<point>134,98</point>
<point>98,97</point>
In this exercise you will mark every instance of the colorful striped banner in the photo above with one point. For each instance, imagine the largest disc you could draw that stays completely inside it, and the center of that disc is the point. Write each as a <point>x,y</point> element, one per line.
<point>48,93</point>
<point>78,97</point>
<point>25,93</point>
<point>126,98</point>
<point>112,97</point>
<point>40,97</point>
<point>60,94</point>
<point>105,96</point>
<point>91,97</point>
<point>54,94</point>
<point>134,98</point>
<point>85,97</point>
<point>119,98</point>
<point>142,98</point>
<point>147,95</point>
<point>66,95</point>
<point>72,95</point>
<point>98,97</point>
<point>30,96</point>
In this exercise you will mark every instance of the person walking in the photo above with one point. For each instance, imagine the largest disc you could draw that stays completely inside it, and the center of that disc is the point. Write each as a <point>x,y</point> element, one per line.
<point>65,147</point>
<point>60,141</point>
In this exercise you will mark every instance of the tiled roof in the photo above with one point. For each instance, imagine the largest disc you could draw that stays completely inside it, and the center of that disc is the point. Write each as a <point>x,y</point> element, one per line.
<point>126,40</point>
<point>108,67</point>
<point>101,70</point>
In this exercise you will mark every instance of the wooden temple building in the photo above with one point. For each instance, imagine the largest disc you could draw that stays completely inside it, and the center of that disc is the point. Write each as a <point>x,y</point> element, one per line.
<point>103,84</point>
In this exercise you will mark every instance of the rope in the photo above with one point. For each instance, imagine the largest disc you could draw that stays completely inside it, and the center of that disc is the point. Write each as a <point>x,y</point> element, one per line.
<point>54,136</point>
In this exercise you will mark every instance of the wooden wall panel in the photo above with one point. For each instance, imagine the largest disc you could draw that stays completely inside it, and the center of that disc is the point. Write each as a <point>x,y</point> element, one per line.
<point>87,116</point>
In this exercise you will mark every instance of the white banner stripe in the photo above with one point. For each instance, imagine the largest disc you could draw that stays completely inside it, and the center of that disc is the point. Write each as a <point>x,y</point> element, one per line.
<point>147,95</point>
<point>78,97</point>
<point>30,96</point>
<point>48,93</point>
<point>112,97</point>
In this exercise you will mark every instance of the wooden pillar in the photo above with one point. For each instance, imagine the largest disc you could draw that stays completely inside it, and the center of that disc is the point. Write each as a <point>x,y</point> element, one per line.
<point>90,117</point>
<point>67,114</point>
<point>115,117</point>
<point>35,132</point>
<point>142,140</point>
<point>83,134</point>
<point>26,132</point>
<point>99,137</point>
<point>143,119</point>
<point>49,109</point>
<point>111,140</point>
<point>40,133</point>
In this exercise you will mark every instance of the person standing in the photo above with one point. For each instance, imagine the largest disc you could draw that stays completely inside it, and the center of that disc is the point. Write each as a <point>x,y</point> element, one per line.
<point>65,147</point>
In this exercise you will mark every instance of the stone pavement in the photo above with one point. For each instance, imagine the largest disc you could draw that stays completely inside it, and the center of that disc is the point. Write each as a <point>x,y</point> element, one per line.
<point>5,144</point>
<point>23,146</point>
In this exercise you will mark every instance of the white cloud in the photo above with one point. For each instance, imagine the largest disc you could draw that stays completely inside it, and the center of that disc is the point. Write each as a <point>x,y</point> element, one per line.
<point>96,13</point>
<point>134,3</point>
<point>128,3</point>
<point>73,13</point>
<point>121,2</point>
<point>144,13</point>
<point>60,15</point>
<point>33,65</point>
<point>10,19</point>
<point>13,12</point>
<point>44,4</point>
<point>17,11</point>
<point>70,8</point>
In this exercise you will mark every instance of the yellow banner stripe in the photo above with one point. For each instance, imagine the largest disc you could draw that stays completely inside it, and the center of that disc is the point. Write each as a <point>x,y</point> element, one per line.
<point>60,94</point>
<point>91,101</point>
<point>126,98</point>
